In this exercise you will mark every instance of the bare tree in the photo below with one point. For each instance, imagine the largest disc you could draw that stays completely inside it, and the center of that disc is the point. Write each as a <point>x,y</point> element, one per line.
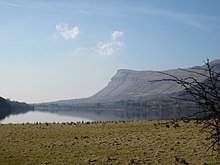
<point>206,94</point>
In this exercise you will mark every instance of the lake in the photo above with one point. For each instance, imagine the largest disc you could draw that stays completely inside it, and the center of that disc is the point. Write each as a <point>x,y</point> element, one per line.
<point>42,117</point>
<point>82,115</point>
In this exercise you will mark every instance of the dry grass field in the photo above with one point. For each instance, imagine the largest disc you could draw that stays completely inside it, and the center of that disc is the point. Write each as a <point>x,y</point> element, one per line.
<point>104,143</point>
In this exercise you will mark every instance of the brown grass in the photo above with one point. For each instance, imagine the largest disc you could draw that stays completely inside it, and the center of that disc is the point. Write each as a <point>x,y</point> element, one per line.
<point>104,143</point>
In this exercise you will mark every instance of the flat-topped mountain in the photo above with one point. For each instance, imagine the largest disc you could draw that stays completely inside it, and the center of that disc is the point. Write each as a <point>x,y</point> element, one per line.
<point>134,91</point>
<point>133,85</point>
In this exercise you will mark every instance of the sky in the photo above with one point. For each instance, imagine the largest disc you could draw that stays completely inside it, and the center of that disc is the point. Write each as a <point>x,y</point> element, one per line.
<point>64,49</point>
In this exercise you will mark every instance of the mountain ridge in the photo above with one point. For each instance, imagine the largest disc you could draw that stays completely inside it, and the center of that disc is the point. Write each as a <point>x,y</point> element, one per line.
<point>131,84</point>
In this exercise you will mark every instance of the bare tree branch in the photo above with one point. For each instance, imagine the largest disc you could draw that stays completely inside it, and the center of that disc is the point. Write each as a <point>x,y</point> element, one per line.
<point>206,94</point>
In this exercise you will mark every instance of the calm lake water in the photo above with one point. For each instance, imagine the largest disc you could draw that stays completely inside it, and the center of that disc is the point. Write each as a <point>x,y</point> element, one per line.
<point>43,117</point>
<point>81,115</point>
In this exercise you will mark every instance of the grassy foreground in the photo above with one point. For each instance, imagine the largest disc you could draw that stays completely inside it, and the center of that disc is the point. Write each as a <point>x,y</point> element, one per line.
<point>104,143</point>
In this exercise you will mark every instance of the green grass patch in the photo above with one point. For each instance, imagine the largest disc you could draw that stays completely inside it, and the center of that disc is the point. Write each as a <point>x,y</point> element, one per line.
<point>104,143</point>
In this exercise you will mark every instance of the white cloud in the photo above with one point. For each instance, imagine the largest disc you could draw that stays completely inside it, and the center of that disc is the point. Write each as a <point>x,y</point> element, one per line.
<point>105,49</point>
<point>112,46</point>
<point>116,35</point>
<point>67,33</point>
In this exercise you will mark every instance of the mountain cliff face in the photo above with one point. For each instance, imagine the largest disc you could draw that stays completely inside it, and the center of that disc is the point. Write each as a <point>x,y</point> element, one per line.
<point>134,91</point>
<point>130,84</point>
<point>133,84</point>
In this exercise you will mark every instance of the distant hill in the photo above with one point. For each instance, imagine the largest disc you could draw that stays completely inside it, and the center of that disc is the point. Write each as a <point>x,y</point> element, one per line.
<point>5,108</point>
<point>134,85</point>
<point>8,107</point>
<point>134,90</point>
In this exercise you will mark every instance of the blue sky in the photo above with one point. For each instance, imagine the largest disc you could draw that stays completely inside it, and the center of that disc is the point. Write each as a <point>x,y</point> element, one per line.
<point>64,49</point>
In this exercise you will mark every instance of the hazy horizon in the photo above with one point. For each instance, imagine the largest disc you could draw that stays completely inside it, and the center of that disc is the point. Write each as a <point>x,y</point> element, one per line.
<point>56,50</point>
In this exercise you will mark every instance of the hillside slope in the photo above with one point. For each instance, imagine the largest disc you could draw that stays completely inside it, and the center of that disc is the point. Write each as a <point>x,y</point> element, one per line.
<point>130,84</point>
<point>134,84</point>
<point>8,107</point>
<point>5,108</point>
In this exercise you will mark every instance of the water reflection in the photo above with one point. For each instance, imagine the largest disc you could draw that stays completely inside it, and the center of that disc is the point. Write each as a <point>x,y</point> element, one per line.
<point>84,115</point>
<point>42,117</point>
